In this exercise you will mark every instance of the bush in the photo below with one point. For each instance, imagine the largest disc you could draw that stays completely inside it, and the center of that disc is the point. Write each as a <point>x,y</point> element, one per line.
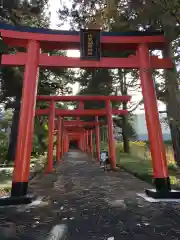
<point>3,146</point>
<point>141,150</point>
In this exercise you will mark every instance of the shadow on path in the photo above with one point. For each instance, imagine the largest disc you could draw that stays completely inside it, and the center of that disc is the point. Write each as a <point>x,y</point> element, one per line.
<point>93,204</point>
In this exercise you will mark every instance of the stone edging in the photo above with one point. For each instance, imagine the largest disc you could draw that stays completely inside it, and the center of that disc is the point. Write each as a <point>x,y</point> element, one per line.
<point>58,232</point>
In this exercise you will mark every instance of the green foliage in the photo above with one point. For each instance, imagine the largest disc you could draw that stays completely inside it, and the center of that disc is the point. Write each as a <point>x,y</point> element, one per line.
<point>104,146</point>
<point>5,123</point>
<point>51,82</point>
<point>142,169</point>
<point>40,137</point>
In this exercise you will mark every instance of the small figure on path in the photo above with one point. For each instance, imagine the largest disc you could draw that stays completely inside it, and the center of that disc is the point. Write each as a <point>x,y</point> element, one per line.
<point>104,161</point>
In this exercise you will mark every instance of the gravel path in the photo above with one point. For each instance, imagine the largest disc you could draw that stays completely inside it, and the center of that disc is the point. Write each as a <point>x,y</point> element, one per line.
<point>95,205</point>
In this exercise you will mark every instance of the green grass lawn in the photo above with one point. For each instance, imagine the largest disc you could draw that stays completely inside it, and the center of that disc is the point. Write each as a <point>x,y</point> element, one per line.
<point>143,169</point>
<point>6,173</point>
<point>5,179</point>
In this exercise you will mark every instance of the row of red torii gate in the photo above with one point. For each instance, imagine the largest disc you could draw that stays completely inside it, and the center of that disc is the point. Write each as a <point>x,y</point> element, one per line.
<point>76,130</point>
<point>92,43</point>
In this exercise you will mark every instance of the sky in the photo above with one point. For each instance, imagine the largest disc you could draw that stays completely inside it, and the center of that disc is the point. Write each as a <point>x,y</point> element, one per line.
<point>54,6</point>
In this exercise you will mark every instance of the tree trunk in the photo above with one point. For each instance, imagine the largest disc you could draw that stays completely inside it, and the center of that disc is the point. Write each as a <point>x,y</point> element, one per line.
<point>123,86</point>
<point>175,134</point>
<point>125,131</point>
<point>14,131</point>
<point>40,137</point>
<point>172,103</point>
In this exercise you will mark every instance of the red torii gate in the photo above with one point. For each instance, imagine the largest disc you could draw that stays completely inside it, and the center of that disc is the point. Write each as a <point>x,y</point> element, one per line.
<point>77,124</point>
<point>108,111</point>
<point>75,128</point>
<point>82,135</point>
<point>34,39</point>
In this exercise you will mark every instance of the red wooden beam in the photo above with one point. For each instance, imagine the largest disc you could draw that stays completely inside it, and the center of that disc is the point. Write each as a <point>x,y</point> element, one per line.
<point>61,61</point>
<point>69,62</point>
<point>80,123</point>
<point>74,131</point>
<point>77,136</point>
<point>161,63</point>
<point>78,132</point>
<point>60,41</point>
<point>82,98</point>
<point>77,112</point>
<point>18,59</point>
<point>74,138</point>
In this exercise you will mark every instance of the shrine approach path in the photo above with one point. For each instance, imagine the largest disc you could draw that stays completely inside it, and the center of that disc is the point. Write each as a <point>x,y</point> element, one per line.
<point>92,205</point>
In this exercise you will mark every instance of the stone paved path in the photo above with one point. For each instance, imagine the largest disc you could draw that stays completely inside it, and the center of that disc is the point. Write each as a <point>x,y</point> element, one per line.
<point>95,205</point>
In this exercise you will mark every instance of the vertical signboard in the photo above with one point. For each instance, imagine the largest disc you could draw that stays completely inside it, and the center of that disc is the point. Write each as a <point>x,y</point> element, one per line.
<point>90,46</point>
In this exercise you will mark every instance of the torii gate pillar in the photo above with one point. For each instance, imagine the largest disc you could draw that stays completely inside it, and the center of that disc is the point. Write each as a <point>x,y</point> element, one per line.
<point>51,127</point>
<point>59,138</point>
<point>159,163</point>
<point>112,150</point>
<point>26,126</point>
<point>97,139</point>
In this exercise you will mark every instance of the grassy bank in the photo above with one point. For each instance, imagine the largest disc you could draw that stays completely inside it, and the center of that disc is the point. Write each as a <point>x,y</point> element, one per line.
<point>37,164</point>
<point>139,163</point>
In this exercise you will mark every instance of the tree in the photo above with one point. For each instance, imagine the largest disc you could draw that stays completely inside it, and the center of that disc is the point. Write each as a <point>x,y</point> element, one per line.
<point>14,8</point>
<point>161,15</point>
<point>50,82</point>
<point>123,88</point>
<point>164,15</point>
<point>5,123</point>
<point>144,15</point>
<point>11,78</point>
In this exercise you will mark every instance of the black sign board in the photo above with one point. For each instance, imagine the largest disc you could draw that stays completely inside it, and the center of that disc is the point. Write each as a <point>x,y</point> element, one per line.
<point>90,46</point>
